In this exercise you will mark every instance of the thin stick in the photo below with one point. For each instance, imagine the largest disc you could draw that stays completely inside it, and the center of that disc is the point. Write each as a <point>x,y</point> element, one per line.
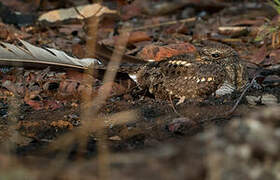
<point>187,20</point>
<point>89,116</point>
<point>228,114</point>
<point>173,107</point>
<point>242,95</point>
<point>109,77</point>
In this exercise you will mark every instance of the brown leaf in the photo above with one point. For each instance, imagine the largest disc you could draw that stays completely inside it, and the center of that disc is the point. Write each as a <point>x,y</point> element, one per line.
<point>68,87</point>
<point>274,56</point>
<point>78,51</point>
<point>61,124</point>
<point>36,105</point>
<point>138,36</point>
<point>10,33</point>
<point>52,104</point>
<point>79,12</point>
<point>177,28</point>
<point>259,56</point>
<point>160,52</point>
<point>75,75</point>
<point>248,22</point>
<point>132,10</point>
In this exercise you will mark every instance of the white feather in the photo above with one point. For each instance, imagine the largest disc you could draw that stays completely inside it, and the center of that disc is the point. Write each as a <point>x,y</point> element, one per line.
<point>133,77</point>
<point>226,88</point>
<point>30,54</point>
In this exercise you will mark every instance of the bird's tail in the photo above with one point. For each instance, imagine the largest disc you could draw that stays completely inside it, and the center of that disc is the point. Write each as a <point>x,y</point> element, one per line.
<point>128,68</point>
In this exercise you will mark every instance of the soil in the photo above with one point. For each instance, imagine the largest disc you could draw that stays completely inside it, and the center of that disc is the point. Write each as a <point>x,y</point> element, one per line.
<point>52,126</point>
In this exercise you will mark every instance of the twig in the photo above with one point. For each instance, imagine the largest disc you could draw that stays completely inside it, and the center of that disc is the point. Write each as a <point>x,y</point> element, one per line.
<point>173,107</point>
<point>228,114</point>
<point>241,96</point>
<point>187,20</point>
<point>236,30</point>
<point>89,116</point>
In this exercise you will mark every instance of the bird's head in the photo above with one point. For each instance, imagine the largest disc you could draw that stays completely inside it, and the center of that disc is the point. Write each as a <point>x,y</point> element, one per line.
<point>217,52</point>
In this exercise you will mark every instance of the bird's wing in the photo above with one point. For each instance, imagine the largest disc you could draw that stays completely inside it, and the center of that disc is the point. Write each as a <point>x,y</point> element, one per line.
<point>176,65</point>
<point>195,79</point>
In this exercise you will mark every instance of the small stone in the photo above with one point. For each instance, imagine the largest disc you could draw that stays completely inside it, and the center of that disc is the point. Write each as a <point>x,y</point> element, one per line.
<point>180,125</point>
<point>269,99</point>
<point>253,100</point>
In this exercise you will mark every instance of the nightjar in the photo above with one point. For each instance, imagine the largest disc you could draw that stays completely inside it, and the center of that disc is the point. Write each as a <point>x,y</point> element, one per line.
<point>215,69</point>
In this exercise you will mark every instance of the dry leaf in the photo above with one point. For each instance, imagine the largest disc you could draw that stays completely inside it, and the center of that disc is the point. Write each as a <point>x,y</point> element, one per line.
<point>80,12</point>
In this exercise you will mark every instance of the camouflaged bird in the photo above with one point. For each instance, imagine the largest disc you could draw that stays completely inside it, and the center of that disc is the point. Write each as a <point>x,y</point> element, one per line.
<point>215,69</point>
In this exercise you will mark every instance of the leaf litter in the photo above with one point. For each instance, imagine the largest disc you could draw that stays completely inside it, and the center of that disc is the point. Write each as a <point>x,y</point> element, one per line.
<point>143,135</point>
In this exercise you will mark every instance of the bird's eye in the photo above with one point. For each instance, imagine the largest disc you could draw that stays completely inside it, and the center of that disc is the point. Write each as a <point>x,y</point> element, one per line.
<point>215,55</point>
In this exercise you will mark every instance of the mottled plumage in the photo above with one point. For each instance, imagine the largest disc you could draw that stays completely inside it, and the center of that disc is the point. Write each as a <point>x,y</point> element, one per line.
<point>236,72</point>
<point>215,69</point>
